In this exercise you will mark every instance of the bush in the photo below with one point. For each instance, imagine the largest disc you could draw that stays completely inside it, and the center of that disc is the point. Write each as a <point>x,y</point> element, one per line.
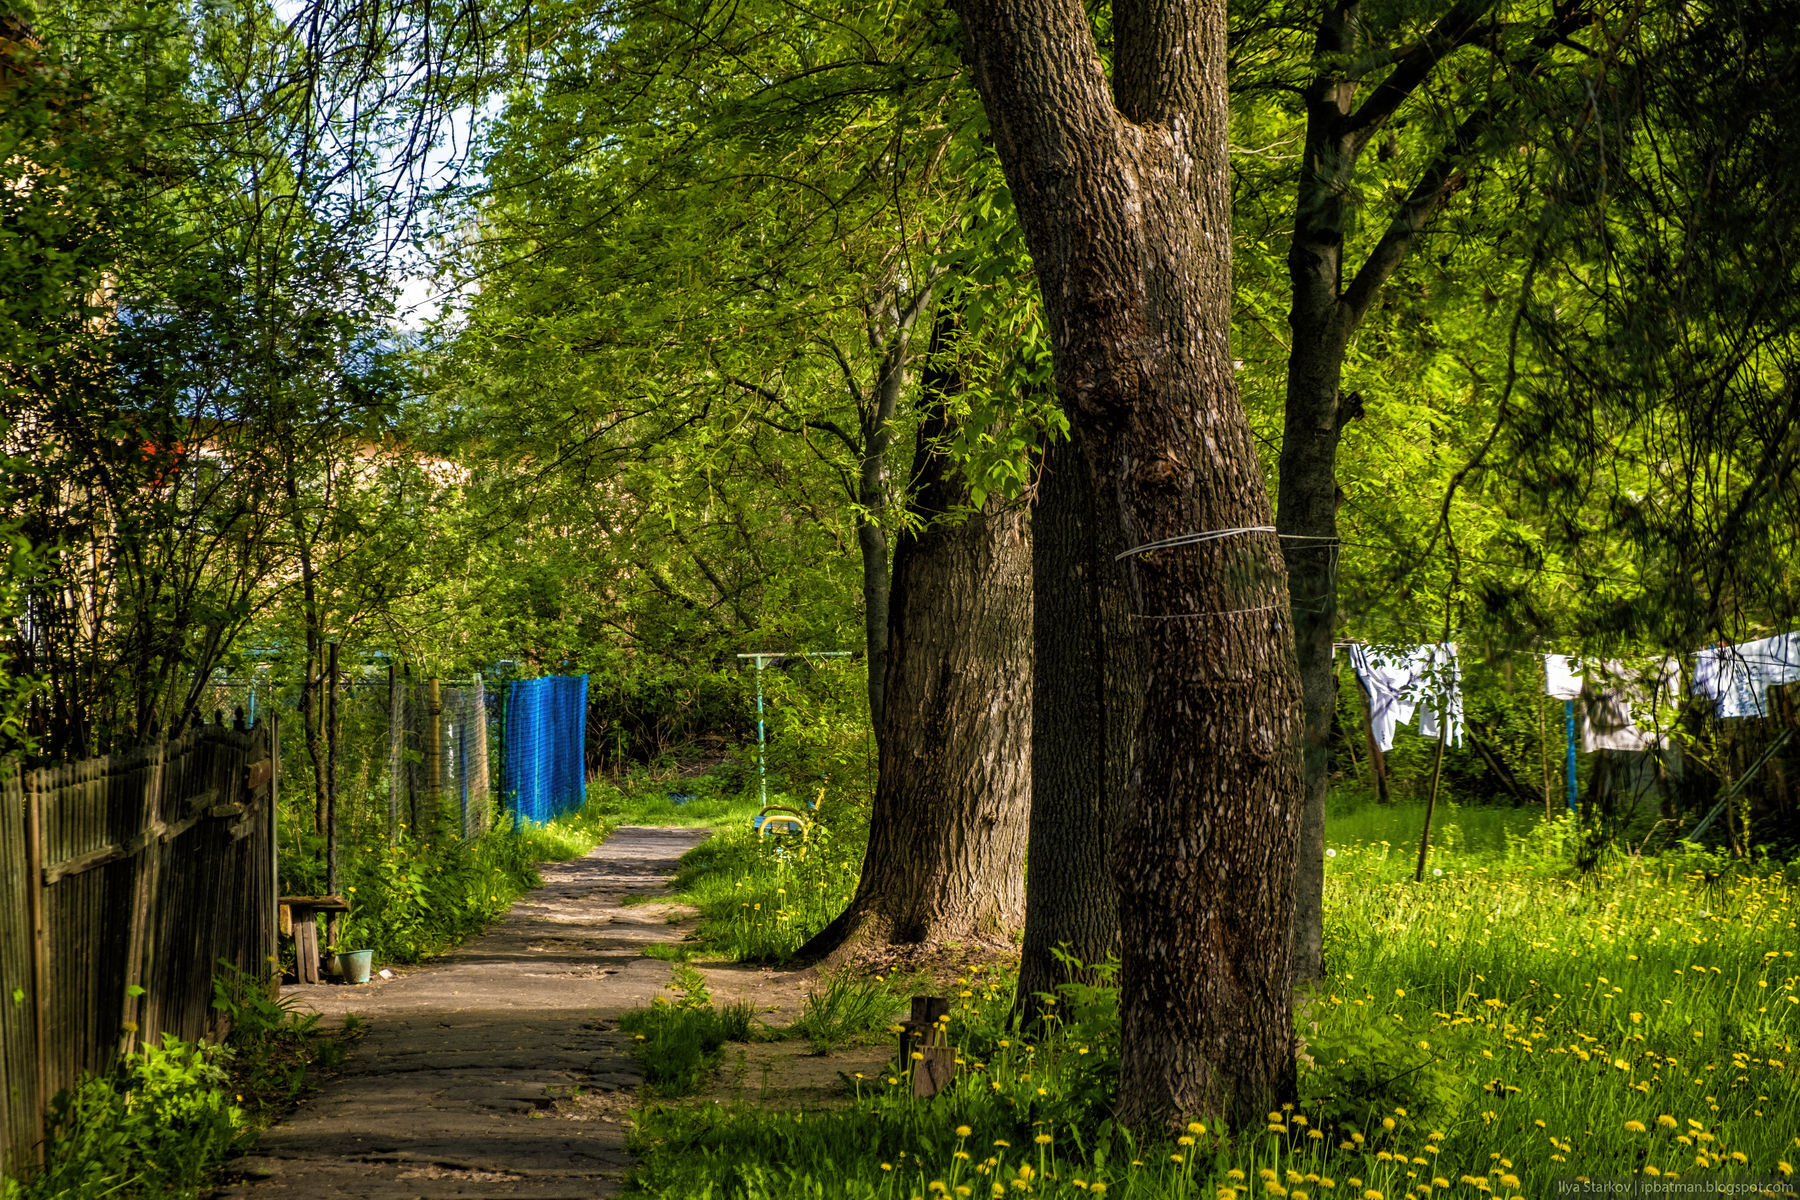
<point>162,1120</point>
<point>155,1125</point>
<point>411,901</point>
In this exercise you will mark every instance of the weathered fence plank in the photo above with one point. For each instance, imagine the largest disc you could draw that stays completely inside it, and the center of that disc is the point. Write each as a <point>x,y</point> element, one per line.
<point>20,1098</point>
<point>125,881</point>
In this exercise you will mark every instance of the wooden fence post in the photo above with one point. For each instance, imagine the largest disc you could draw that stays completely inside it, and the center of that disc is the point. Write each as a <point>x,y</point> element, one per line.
<point>20,1103</point>
<point>40,948</point>
<point>922,1047</point>
<point>434,749</point>
<point>412,769</point>
<point>140,954</point>
<point>480,786</point>
<point>396,742</point>
<point>331,800</point>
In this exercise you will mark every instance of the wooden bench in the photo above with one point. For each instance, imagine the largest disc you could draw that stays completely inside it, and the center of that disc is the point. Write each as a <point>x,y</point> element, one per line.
<point>295,914</point>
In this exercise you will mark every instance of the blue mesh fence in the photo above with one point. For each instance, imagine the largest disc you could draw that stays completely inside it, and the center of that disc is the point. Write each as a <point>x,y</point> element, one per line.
<point>543,774</point>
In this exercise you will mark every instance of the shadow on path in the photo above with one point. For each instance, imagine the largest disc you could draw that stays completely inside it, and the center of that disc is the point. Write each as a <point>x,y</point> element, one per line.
<point>494,1071</point>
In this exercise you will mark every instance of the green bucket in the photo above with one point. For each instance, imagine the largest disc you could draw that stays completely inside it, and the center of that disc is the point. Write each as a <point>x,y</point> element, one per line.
<point>354,965</point>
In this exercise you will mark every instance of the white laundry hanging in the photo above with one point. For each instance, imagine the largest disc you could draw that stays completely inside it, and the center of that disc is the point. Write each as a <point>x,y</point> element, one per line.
<point>1626,707</point>
<point>1562,681</point>
<point>1621,706</point>
<point>1737,679</point>
<point>1403,680</point>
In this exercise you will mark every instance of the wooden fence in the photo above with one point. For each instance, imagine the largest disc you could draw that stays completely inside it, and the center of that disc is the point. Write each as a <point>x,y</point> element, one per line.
<point>124,880</point>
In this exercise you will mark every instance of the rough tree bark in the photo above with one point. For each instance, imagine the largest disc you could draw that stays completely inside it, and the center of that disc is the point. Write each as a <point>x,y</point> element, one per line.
<point>947,832</point>
<point>872,541</point>
<point>1084,708</point>
<point>1123,196</point>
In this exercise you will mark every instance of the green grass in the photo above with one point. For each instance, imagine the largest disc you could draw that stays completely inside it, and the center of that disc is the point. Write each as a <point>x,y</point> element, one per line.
<point>1503,1025</point>
<point>656,805</point>
<point>1464,831</point>
<point>669,951</point>
<point>417,900</point>
<point>678,1041</point>
<point>760,898</point>
<point>849,1009</point>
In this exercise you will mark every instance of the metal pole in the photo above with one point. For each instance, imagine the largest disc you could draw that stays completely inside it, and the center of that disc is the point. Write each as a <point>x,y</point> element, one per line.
<point>762,752</point>
<point>1569,735</point>
<point>762,760</point>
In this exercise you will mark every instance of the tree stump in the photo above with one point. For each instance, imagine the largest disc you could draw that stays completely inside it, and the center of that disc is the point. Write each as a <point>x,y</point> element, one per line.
<point>930,1059</point>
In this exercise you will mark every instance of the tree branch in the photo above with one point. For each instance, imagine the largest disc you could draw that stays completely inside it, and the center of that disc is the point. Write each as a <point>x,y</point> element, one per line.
<point>1439,181</point>
<point>1436,184</point>
<point>805,423</point>
<point>1414,67</point>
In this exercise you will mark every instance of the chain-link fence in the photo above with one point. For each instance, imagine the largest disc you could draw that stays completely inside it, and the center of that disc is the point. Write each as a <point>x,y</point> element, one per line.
<point>544,773</point>
<point>408,754</point>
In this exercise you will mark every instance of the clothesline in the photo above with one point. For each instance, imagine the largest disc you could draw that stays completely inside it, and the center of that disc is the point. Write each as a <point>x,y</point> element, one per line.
<point>1401,680</point>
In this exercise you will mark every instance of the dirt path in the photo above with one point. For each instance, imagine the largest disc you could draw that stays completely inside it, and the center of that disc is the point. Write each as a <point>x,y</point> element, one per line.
<point>494,1072</point>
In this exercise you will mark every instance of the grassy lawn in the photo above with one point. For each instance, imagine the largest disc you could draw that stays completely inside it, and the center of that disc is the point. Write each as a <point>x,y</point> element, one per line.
<point>1503,1025</point>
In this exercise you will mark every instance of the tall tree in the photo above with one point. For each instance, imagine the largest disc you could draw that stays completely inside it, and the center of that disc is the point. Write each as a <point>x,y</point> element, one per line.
<point>946,850</point>
<point>218,303</point>
<point>805,177</point>
<point>1122,192</point>
<point>820,179</point>
<point>1367,73</point>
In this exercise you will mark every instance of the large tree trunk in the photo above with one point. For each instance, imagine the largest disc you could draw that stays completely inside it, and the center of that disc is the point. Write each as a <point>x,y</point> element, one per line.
<point>1308,496</point>
<point>1124,201</point>
<point>1084,708</point>
<point>871,540</point>
<point>947,833</point>
<point>1323,314</point>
